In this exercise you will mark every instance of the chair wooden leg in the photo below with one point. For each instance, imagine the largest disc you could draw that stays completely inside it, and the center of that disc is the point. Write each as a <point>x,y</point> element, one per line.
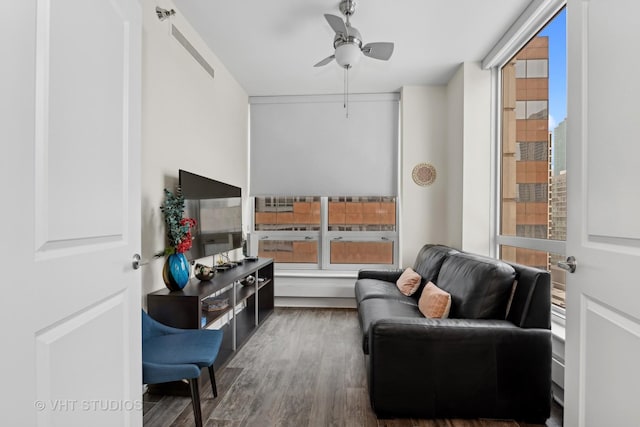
<point>214,388</point>
<point>195,400</point>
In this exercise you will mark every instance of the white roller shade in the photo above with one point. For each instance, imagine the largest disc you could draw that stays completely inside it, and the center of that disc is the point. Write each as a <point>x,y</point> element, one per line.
<point>304,145</point>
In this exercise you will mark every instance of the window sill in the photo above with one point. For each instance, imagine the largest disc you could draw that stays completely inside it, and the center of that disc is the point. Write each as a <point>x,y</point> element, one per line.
<point>558,324</point>
<point>557,330</point>
<point>317,274</point>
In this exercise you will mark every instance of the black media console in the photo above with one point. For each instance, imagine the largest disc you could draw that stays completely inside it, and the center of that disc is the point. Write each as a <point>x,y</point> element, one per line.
<point>253,303</point>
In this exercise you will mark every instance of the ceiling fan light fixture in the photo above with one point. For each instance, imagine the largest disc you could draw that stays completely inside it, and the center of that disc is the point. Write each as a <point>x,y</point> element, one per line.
<point>348,55</point>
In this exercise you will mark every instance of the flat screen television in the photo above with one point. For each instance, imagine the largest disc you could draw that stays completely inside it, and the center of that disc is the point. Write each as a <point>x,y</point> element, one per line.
<point>217,209</point>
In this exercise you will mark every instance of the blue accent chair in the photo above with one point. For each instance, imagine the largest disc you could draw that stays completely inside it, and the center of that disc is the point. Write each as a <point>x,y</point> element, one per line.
<point>172,354</point>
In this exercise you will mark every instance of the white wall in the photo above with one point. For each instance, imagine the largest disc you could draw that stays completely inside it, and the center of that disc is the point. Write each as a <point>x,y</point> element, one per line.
<point>469,159</point>
<point>189,121</point>
<point>450,127</point>
<point>455,157</point>
<point>477,160</point>
<point>330,290</point>
<point>423,211</point>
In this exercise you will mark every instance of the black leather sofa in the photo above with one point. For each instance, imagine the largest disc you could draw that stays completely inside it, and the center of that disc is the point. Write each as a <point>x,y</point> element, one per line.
<point>490,359</point>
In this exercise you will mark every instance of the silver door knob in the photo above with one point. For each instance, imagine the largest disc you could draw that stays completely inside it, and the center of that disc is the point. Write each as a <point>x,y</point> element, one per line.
<point>570,264</point>
<point>137,261</point>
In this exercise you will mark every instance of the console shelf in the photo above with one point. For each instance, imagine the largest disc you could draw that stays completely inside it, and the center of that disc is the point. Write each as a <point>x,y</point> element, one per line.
<point>249,305</point>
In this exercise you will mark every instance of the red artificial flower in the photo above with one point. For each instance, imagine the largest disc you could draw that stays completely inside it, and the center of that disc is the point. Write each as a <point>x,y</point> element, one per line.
<point>186,241</point>
<point>190,221</point>
<point>185,244</point>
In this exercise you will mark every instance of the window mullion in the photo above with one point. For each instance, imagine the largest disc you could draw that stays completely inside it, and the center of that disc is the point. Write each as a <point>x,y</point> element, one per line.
<point>324,228</point>
<point>544,245</point>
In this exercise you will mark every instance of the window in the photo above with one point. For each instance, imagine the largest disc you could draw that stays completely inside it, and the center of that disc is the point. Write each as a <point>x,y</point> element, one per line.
<point>287,213</point>
<point>536,231</point>
<point>537,150</point>
<point>533,214</point>
<point>532,192</point>
<point>295,224</point>
<point>303,146</point>
<point>532,68</point>
<point>531,110</point>
<point>327,232</point>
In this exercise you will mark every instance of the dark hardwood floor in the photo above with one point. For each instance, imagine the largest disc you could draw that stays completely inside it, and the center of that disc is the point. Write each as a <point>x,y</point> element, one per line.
<point>303,367</point>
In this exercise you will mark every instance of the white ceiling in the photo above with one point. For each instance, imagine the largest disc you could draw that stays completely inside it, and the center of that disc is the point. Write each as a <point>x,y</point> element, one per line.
<point>270,46</point>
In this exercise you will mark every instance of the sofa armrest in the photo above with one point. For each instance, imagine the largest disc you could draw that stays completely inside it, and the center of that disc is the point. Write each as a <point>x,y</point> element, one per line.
<point>436,329</point>
<point>386,275</point>
<point>446,368</point>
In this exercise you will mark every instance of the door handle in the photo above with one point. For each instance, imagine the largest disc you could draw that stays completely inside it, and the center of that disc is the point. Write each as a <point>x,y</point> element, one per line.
<point>137,262</point>
<point>570,264</point>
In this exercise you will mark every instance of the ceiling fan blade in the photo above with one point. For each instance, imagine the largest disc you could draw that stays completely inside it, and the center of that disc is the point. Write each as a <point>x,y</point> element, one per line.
<point>380,50</point>
<point>325,61</point>
<point>337,24</point>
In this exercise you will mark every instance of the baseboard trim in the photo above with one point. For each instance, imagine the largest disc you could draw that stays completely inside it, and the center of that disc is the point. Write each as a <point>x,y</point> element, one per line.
<point>558,394</point>
<point>315,302</point>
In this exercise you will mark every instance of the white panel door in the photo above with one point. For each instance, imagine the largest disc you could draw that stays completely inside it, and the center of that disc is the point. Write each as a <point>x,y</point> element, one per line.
<point>70,215</point>
<point>603,148</point>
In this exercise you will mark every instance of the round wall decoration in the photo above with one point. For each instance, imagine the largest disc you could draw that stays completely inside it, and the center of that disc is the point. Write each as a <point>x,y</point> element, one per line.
<point>424,174</point>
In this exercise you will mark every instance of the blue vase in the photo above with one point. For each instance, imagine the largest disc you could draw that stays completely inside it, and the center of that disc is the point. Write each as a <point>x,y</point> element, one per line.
<point>175,272</point>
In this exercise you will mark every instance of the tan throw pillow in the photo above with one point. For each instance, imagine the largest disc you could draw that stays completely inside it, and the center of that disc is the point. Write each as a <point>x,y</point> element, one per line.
<point>434,302</point>
<point>408,282</point>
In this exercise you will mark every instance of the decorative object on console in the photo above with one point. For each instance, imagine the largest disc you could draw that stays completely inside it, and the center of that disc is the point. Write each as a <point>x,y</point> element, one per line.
<point>204,272</point>
<point>214,304</point>
<point>248,281</point>
<point>175,272</point>
<point>424,174</point>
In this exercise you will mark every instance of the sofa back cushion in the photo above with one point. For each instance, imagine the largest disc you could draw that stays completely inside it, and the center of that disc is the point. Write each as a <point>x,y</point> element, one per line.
<point>531,305</point>
<point>479,286</point>
<point>428,264</point>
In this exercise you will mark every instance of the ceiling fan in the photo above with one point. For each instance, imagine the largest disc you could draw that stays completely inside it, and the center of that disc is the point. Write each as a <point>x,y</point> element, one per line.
<point>348,41</point>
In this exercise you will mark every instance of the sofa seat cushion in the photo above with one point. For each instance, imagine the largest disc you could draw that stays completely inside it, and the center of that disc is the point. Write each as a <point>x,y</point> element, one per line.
<point>479,286</point>
<point>374,309</point>
<point>374,288</point>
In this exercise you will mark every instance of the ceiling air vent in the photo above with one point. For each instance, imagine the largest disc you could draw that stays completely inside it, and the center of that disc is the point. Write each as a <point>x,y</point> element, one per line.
<point>192,50</point>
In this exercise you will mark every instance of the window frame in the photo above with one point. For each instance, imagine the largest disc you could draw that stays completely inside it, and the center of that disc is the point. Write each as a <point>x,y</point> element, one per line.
<point>324,237</point>
<point>523,30</point>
